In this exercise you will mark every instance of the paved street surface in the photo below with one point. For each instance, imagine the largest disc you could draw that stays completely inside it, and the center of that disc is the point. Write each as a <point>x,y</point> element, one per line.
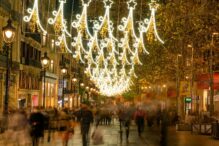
<point>151,137</point>
<point>185,138</point>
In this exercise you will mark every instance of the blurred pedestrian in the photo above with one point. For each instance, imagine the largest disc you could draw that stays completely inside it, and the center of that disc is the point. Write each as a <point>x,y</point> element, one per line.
<point>139,117</point>
<point>164,128</point>
<point>125,117</point>
<point>68,133</point>
<point>37,126</point>
<point>86,118</point>
<point>18,128</point>
<point>97,136</point>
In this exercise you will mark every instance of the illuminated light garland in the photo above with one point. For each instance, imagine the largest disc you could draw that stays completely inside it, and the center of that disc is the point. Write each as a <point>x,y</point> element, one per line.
<point>98,50</point>
<point>151,23</point>
<point>83,33</point>
<point>59,24</point>
<point>93,46</point>
<point>100,75</point>
<point>34,19</point>
<point>63,44</point>
<point>137,44</point>
<point>79,48</point>
<point>135,59</point>
<point>104,78</point>
<point>81,23</point>
<point>59,21</point>
<point>105,29</point>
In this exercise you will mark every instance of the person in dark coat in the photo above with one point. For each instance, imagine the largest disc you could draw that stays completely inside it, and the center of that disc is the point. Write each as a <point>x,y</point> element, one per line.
<point>164,128</point>
<point>86,118</point>
<point>36,120</point>
<point>140,120</point>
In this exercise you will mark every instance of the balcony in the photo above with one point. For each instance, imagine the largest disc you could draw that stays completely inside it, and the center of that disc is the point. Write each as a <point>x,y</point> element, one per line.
<point>31,62</point>
<point>34,36</point>
<point>35,63</point>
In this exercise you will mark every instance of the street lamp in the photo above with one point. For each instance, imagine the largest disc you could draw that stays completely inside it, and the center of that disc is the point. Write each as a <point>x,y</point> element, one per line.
<point>87,91</point>
<point>74,80</point>
<point>81,92</point>
<point>64,72</point>
<point>8,37</point>
<point>211,74</point>
<point>45,64</point>
<point>165,95</point>
<point>8,32</point>
<point>178,103</point>
<point>192,70</point>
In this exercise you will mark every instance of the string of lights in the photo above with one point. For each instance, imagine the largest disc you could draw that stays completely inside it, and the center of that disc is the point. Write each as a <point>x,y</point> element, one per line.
<point>110,70</point>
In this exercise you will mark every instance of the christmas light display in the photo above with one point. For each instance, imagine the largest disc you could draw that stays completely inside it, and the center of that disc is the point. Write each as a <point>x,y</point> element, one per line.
<point>33,19</point>
<point>109,69</point>
<point>59,24</point>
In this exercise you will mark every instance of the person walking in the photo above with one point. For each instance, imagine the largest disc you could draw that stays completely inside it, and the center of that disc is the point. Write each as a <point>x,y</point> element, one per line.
<point>139,117</point>
<point>125,117</point>
<point>86,118</point>
<point>36,120</point>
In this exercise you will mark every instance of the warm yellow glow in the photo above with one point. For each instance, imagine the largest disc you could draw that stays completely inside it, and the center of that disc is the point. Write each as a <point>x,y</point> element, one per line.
<point>8,34</point>
<point>110,61</point>
<point>64,71</point>
<point>45,62</point>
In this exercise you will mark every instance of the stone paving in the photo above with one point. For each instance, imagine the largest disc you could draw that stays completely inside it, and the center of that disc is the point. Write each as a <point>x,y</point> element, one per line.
<point>111,137</point>
<point>151,137</point>
<point>186,138</point>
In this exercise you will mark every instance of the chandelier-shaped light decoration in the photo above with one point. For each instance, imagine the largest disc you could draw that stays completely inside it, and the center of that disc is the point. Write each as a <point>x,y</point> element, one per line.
<point>33,19</point>
<point>110,70</point>
<point>83,34</point>
<point>130,43</point>
<point>151,28</point>
<point>105,30</point>
<point>60,27</point>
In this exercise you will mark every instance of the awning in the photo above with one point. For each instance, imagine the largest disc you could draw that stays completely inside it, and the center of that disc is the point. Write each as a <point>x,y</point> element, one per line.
<point>203,81</point>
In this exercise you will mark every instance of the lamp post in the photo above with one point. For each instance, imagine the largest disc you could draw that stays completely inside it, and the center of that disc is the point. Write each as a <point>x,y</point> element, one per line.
<point>165,95</point>
<point>177,86</point>
<point>211,74</point>
<point>64,72</point>
<point>81,92</point>
<point>74,80</point>
<point>45,64</point>
<point>87,90</point>
<point>8,37</point>
<point>192,72</point>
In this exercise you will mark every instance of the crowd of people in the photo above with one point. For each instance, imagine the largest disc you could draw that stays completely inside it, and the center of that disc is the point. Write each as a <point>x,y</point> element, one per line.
<point>25,127</point>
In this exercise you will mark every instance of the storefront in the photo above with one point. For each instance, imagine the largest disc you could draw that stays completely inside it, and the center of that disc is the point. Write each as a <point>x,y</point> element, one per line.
<point>28,98</point>
<point>50,90</point>
<point>203,90</point>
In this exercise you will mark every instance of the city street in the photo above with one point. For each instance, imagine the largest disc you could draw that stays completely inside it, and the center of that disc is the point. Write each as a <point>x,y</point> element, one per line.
<point>151,137</point>
<point>66,64</point>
